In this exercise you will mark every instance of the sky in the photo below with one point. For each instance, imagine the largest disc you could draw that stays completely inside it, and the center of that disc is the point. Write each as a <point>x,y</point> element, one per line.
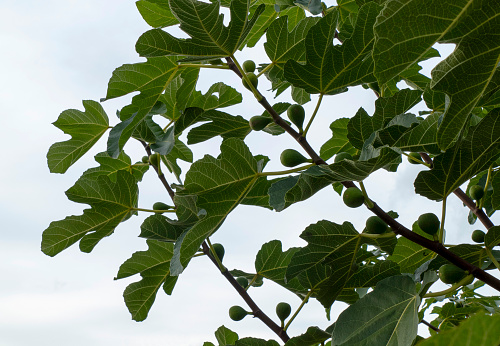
<point>56,54</point>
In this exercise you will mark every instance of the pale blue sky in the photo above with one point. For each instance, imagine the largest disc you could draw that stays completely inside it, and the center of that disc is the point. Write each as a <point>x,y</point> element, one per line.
<point>56,53</point>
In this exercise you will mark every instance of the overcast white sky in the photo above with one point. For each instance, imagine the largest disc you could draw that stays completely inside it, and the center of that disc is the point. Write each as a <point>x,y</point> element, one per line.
<point>58,52</point>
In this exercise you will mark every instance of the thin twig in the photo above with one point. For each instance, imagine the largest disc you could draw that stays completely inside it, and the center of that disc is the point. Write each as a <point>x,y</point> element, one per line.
<point>436,329</point>
<point>481,215</point>
<point>161,176</point>
<point>257,312</point>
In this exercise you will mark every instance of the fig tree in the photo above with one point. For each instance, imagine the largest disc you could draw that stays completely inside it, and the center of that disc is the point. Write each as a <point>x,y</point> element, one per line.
<point>296,114</point>
<point>478,236</point>
<point>219,250</point>
<point>258,122</point>
<point>292,158</point>
<point>476,192</point>
<point>237,313</point>
<point>375,225</point>
<point>342,156</point>
<point>429,223</point>
<point>353,197</point>
<point>161,206</point>
<point>283,310</point>
<point>450,274</point>
<point>414,158</point>
<point>248,66</point>
<point>243,281</point>
<point>253,79</point>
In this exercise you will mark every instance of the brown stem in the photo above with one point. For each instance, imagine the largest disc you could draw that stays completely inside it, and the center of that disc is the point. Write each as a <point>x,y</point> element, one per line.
<point>481,215</point>
<point>437,247</point>
<point>436,329</point>
<point>161,176</point>
<point>257,312</point>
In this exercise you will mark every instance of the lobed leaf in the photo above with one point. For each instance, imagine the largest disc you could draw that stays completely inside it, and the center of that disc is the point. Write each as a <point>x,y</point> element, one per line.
<point>468,157</point>
<point>154,267</point>
<point>85,129</point>
<point>203,23</point>
<point>111,203</point>
<point>331,69</point>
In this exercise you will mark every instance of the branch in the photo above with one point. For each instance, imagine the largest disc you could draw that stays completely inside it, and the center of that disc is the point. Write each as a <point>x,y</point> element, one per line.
<point>481,215</point>
<point>437,247</point>
<point>257,312</point>
<point>161,176</point>
<point>436,329</point>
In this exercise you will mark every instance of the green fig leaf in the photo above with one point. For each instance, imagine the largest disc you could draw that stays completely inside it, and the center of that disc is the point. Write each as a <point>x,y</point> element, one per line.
<point>85,129</point>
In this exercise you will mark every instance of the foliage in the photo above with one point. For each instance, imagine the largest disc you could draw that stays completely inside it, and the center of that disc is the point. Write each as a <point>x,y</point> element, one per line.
<point>384,276</point>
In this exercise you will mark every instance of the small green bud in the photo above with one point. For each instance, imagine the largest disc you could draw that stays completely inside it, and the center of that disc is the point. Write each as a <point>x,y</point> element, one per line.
<point>259,122</point>
<point>476,192</point>
<point>375,225</point>
<point>219,250</point>
<point>292,158</point>
<point>414,158</point>
<point>161,206</point>
<point>237,313</point>
<point>429,223</point>
<point>353,197</point>
<point>478,236</point>
<point>249,66</point>
<point>253,79</point>
<point>283,310</point>
<point>296,114</point>
<point>243,281</point>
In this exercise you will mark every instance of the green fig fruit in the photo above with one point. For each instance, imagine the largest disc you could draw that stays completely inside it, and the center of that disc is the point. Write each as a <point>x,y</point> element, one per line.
<point>237,313</point>
<point>375,225</point>
<point>476,192</point>
<point>450,274</point>
<point>353,197</point>
<point>292,158</point>
<point>145,159</point>
<point>296,114</point>
<point>253,79</point>
<point>478,236</point>
<point>219,250</point>
<point>259,122</point>
<point>283,310</point>
<point>154,159</point>
<point>342,156</point>
<point>429,223</point>
<point>161,206</point>
<point>248,66</point>
<point>414,158</point>
<point>243,281</point>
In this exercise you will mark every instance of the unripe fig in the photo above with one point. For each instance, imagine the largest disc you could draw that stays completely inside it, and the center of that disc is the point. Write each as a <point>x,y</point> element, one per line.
<point>219,250</point>
<point>237,313</point>
<point>375,225</point>
<point>478,236</point>
<point>414,158</point>
<point>429,223</point>
<point>253,79</point>
<point>353,197</point>
<point>292,158</point>
<point>243,281</point>
<point>342,156</point>
<point>154,159</point>
<point>248,66</point>
<point>283,310</point>
<point>450,274</point>
<point>296,114</point>
<point>476,192</point>
<point>145,159</point>
<point>161,206</point>
<point>259,122</point>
